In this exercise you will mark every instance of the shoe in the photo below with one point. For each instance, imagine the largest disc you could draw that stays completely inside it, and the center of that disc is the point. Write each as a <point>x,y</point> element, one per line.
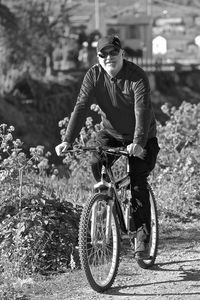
<point>142,247</point>
<point>144,254</point>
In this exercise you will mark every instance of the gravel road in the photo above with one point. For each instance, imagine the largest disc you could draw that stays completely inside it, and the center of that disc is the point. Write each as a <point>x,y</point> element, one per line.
<point>175,275</point>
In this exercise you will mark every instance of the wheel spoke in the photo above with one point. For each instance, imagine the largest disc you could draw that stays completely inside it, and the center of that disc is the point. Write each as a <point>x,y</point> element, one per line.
<point>100,267</point>
<point>99,259</point>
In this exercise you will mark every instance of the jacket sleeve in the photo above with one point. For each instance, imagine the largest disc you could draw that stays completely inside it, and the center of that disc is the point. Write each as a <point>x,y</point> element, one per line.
<point>143,111</point>
<point>79,114</point>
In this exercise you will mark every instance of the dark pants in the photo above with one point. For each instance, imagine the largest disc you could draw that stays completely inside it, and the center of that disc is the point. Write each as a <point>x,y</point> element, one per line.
<point>139,171</point>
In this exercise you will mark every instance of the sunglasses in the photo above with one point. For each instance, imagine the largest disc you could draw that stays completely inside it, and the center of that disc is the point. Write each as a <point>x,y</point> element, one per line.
<point>114,52</point>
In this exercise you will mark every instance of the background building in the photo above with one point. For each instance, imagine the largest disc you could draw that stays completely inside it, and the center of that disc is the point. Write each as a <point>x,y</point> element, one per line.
<point>140,22</point>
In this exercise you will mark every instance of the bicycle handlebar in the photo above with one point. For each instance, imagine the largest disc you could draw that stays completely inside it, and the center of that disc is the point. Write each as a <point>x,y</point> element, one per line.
<point>110,150</point>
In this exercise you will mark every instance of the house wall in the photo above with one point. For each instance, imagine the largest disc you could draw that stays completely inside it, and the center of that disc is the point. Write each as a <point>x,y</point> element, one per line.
<point>135,36</point>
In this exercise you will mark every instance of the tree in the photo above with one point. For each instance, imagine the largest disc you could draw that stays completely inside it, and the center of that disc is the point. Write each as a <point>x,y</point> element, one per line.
<point>40,27</point>
<point>7,18</point>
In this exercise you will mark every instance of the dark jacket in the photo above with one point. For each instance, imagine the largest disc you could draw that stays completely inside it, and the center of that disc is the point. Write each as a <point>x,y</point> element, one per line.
<point>124,99</point>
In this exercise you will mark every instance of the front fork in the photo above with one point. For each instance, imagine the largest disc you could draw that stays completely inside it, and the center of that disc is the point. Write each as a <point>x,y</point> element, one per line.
<point>109,208</point>
<point>108,221</point>
<point>93,223</point>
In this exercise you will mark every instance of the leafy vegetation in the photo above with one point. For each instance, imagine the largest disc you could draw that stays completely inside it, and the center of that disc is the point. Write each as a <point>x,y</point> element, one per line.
<point>40,209</point>
<point>175,177</point>
<point>177,173</point>
<point>38,226</point>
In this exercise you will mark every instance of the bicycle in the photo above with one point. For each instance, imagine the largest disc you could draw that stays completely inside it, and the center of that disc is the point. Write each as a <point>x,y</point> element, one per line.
<point>106,221</point>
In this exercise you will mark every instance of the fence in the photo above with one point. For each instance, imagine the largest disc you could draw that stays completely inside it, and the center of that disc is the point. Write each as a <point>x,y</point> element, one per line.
<point>152,65</point>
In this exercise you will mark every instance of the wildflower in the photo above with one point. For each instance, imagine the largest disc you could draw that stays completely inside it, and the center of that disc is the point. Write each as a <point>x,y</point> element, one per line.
<point>9,137</point>
<point>48,154</point>
<point>40,150</point>
<point>88,122</point>
<point>11,128</point>
<point>3,175</point>
<point>3,126</point>
<point>43,164</point>
<point>22,157</point>
<point>17,143</point>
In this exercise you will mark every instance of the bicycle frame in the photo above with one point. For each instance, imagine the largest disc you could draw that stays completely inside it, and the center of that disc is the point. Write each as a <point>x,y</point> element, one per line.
<point>111,188</point>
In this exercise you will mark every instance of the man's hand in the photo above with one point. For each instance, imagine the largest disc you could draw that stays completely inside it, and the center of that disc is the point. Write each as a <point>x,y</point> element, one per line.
<point>136,150</point>
<point>61,148</point>
<point>97,109</point>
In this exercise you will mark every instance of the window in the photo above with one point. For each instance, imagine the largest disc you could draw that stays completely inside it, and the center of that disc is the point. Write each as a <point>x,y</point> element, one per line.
<point>134,32</point>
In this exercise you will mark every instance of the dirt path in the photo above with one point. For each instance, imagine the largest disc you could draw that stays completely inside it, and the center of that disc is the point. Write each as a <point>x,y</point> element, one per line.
<point>176,274</point>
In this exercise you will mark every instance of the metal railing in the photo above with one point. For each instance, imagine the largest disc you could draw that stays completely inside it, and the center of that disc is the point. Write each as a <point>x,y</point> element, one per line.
<point>153,65</point>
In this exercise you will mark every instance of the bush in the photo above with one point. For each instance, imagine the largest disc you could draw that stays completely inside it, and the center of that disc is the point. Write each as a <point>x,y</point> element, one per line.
<point>39,227</point>
<point>176,175</point>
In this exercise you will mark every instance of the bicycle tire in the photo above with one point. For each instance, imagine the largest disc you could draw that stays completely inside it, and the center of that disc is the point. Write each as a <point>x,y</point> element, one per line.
<point>154,236</point>
<point>99,260</point>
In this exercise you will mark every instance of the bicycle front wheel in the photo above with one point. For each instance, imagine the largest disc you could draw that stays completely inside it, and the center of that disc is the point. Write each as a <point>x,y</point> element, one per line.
<point>99,248</point>
<point>154,235</point>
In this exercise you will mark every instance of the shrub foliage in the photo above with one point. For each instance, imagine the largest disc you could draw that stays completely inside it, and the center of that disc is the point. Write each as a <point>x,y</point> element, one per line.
<point>178,168</point>
<point>40,209</point>
<point>38,228</point>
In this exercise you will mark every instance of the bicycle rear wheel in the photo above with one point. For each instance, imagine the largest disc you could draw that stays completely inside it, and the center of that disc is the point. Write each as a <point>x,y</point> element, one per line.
<point>154,235</point>
<point>99,256</point>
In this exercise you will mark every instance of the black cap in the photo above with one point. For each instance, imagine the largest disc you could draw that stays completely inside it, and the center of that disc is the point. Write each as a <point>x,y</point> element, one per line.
<point>110,40</point>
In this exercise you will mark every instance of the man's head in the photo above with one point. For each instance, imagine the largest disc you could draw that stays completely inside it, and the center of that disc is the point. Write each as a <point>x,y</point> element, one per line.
<point>110,54</point>
<point>110,40</point>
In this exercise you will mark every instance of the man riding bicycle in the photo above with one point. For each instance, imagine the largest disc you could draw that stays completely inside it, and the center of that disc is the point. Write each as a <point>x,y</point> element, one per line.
<point>121,90</point>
